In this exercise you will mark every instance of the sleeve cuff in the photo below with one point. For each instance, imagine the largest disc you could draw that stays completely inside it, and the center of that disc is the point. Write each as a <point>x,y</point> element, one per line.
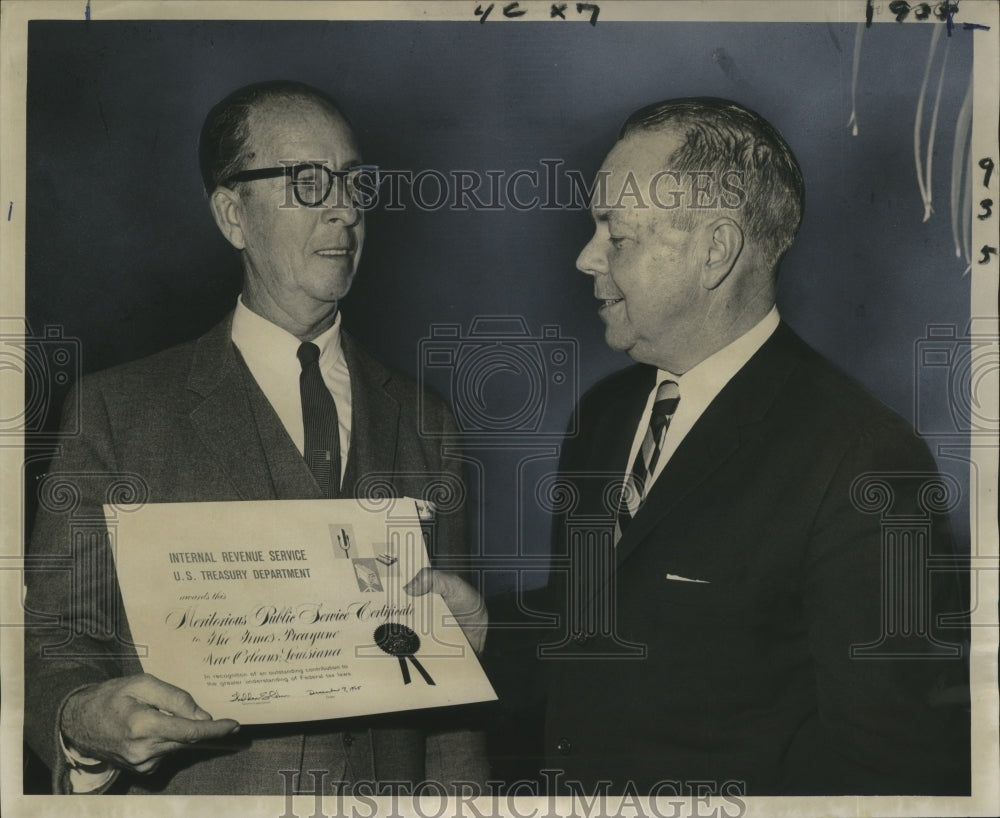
<point>85,774</point>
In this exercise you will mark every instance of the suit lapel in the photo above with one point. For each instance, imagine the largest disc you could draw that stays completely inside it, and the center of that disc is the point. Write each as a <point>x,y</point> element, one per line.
<point>374,417</point>
<point>289,474</point>
<point>238,425</point>
<point>716,435</point>
<point>222,415</point>
<point>704,449</point>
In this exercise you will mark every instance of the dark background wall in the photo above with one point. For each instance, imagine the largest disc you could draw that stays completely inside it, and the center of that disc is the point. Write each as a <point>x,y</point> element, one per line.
<point>123,255</point>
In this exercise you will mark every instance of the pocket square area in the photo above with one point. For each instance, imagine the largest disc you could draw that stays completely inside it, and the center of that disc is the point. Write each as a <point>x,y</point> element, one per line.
<point>678,578</point>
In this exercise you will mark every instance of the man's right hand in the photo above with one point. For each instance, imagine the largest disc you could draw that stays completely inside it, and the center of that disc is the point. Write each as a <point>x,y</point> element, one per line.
<point>133,721</point>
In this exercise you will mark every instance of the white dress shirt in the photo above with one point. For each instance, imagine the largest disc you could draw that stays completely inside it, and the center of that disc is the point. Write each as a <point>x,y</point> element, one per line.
<point>271,355</point>
<point>699,386</point>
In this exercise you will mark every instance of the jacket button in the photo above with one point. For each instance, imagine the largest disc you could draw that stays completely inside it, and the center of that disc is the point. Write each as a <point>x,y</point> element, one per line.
<point>581,638</point>
<point>564,746</point>
<point>348,739</point>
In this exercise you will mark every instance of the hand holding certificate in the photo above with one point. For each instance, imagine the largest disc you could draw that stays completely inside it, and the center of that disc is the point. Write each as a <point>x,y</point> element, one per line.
<point>283,611</point>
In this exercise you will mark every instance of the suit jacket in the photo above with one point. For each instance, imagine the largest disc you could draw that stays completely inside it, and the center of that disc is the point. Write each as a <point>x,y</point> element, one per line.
<point>191,424</point>
<point>746,675</point>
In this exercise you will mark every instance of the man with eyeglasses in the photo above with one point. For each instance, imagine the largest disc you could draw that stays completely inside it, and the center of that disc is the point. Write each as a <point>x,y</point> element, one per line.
<point>276,402</point>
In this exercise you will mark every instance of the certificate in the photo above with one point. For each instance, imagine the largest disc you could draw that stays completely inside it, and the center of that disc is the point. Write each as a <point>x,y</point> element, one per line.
<point>290,610</point>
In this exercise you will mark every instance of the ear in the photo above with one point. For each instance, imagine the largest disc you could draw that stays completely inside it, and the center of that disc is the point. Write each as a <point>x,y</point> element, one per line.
<point>228,214</point>
<point>725,244</point>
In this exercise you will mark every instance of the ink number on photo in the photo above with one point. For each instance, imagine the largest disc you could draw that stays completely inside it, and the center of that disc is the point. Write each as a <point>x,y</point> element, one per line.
<point>943,10</point>
<point>557,11</point>
<point>987,165</point>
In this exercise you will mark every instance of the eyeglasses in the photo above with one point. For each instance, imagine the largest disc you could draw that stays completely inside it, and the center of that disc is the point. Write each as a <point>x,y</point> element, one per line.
<point>312,183</point>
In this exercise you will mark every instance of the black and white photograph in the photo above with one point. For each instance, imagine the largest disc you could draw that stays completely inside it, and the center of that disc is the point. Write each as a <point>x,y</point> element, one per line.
<point>649,348</point>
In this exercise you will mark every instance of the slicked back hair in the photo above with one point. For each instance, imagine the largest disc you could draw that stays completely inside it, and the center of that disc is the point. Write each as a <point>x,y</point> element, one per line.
<point>719,135</point>
<point>224,145</point>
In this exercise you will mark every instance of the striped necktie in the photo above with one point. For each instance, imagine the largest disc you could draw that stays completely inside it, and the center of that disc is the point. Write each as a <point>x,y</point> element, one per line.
<point>637,482</point>
<point>321,447</point>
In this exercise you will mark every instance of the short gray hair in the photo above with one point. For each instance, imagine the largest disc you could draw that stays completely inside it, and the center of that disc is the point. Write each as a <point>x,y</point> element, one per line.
<point>224,145</point>
<point>721,135</point>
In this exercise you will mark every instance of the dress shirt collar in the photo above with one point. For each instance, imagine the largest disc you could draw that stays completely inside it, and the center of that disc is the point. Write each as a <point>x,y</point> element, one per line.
<point>268,344</point>
<point>271,356</point>
<point>700,384</point>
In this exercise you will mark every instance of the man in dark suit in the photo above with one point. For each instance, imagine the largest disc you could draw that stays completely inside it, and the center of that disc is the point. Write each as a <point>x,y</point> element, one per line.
<point>739,612</point>
<point>276,402</point>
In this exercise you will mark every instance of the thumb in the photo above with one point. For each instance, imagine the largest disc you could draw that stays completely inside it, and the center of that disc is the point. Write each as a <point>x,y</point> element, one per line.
<point>460,597</point>
<point>422,583</point>
<point>201,730</point>
<point>188,731</point>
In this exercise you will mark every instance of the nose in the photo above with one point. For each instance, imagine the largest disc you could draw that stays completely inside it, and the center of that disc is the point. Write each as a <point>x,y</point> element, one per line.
<point>591,260</point>
<point>344,211</point>
<point>339,203</point>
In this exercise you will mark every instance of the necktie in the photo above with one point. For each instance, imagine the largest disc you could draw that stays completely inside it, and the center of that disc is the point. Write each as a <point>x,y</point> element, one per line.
<point>319,420</point>
<point>667,398</point>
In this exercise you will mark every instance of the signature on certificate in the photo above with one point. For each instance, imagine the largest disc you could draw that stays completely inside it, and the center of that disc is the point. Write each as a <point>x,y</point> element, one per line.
<point>260,696</point>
